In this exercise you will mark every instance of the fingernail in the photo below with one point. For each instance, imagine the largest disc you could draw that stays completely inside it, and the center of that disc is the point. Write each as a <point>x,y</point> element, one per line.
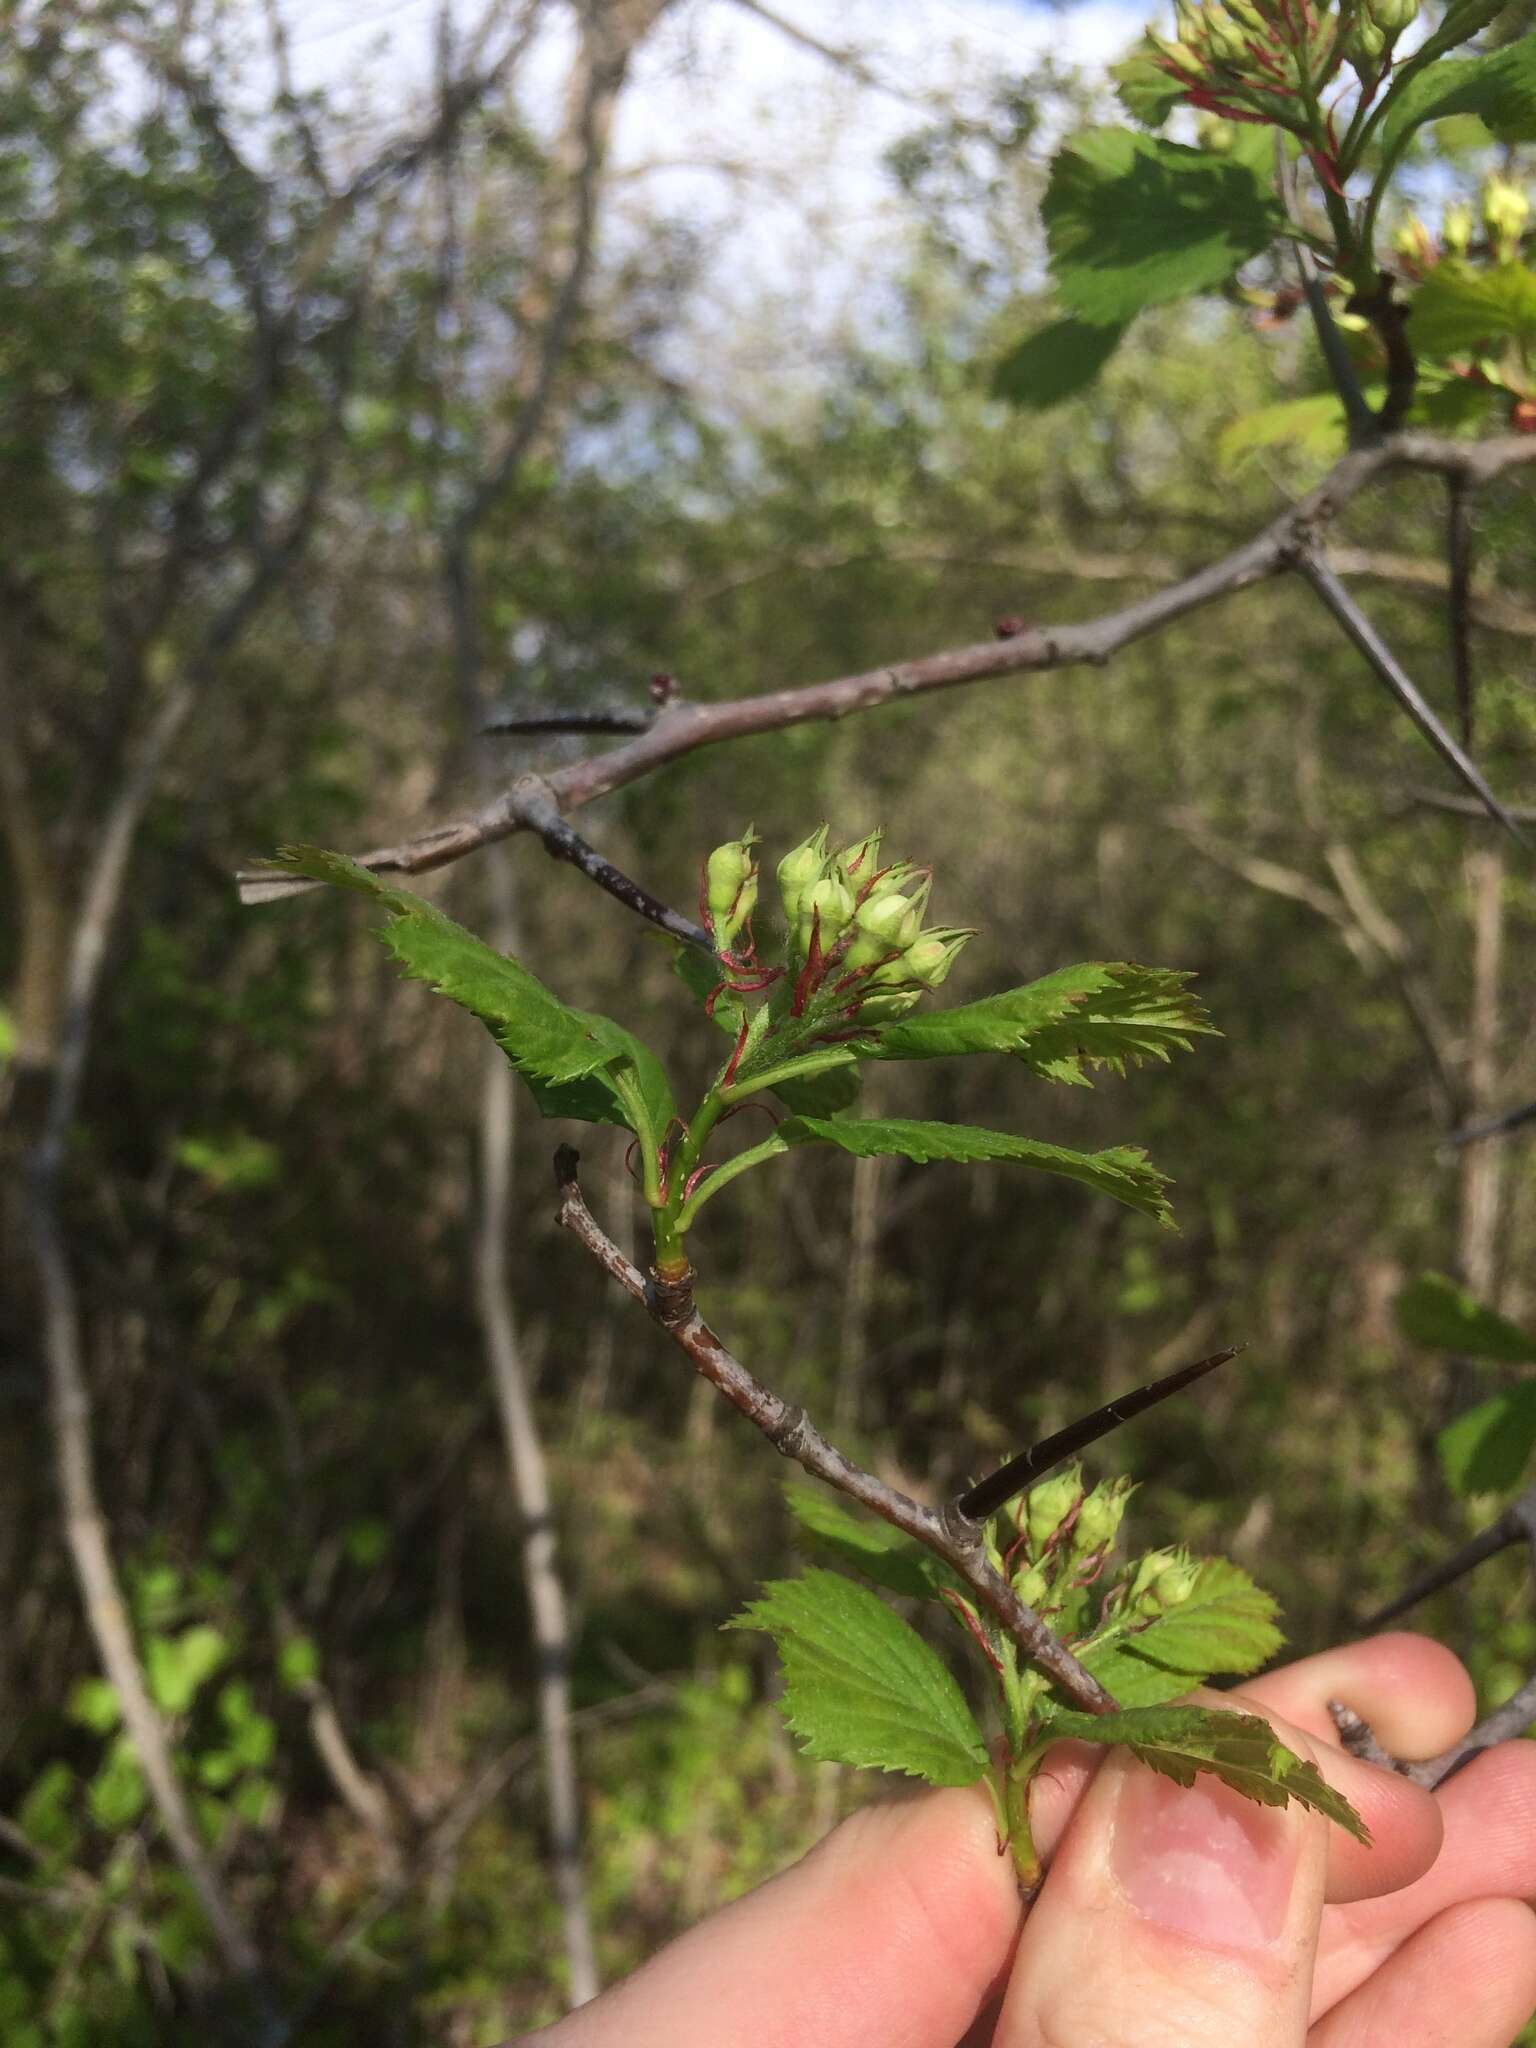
<point>1203,1860</point>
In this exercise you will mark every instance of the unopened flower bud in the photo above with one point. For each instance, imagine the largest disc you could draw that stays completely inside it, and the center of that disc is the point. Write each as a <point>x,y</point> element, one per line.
<point>1456,227</point>
<point>1178,53</point>
<point>1215,135</point>
<point>1034,1587</point>
<point>1367,45</point>
<point>1506,210</point>
<point>1223,38</point>
<point>930,957</point>
<point>1414,242</point>
<point>799,869</point>
<point>1392,16</point>
<point>826,904</point>
<point>1099,1517</point>
<point>1049,1504</point>
<point>1164,1579</point>
<point>887,924</point>
<point>730,886</point>
<point>859,862</point>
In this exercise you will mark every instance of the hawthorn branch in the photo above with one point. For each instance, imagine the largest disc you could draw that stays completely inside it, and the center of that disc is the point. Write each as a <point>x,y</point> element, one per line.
<point>1504,1724</point>
<point>1363,636</point>
<point>682,728</point>
<point>949,1533</point>
<point>1496,1126</point>
<point>1458,552</point>
<point>1517,1524</point>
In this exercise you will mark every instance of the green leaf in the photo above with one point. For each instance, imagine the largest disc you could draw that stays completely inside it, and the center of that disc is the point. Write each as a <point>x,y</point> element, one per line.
<point>1435,1312</point>
<point>298,1662</point>
<point>94,1704</point>
<point>117,1793</point>
<point>1226,1624</point>
<point>1487,1449</point>
<point>1499,87</point>
<point>876,1549</point>
<point>179,1666</point>
<point>1133,221</point>
<point>568,1057</point>
<point>825,1094</point>
<point>1098,1014</point>
<point>1142,86</point>
<point>1054,363</point>
<point>1239,1749</point>
<point>860,1686</point>
<point>701,977</point>
<point>1315,426</point>
<point>1123,1172</point>
<point>1459,308</point>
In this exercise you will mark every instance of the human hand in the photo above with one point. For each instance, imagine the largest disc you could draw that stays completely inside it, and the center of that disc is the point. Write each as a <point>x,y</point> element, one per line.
<point>1169,1918</point>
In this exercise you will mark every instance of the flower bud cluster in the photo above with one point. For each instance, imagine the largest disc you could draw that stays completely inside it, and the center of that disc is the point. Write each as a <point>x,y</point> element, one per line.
<point>857,925</point>
<point>1265,60</point>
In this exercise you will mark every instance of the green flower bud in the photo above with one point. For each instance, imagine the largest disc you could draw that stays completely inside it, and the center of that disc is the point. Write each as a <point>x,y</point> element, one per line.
<point>1223,38</point>
<point>830,904</point>
<point>857,863</point>
<point>1178,53</point>
<point>929,958</point>
<point>887,924</point>
<point>1367,44</point>
<point>799,869</point>
<point>1456,225</point>
<point>1414,242</point>
<point>1099,1518</point>
<point>1215,135</point>
<point>1049,1504</point>
<point>1247,16</point>
<point>1506,209</point>
<point>1164,1579</point>
<point>730,886</point>
<point>1034,1587</point>
<point>1392,16</point>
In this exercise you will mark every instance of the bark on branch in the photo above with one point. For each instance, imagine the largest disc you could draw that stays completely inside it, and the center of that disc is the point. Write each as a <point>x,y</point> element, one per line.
<point>948,1533</point>
<point>682,728</point>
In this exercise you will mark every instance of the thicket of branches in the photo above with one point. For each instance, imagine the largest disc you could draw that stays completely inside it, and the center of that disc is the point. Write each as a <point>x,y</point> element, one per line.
<point>324,452</point>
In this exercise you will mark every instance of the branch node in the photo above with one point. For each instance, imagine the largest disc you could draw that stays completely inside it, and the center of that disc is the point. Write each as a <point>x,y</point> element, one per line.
<point>669,1297</point>
<point>791,1433</point>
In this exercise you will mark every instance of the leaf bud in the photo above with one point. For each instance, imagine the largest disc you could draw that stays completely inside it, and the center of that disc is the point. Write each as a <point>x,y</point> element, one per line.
<point>828,904</point>
<point>1049,1504</point>
<point>730,886</point>
<point>799,869</point>
<point>1506,209</point>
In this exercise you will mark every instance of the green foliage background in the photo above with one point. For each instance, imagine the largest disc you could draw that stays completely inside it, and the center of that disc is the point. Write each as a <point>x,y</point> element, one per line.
<point>271,1187</point>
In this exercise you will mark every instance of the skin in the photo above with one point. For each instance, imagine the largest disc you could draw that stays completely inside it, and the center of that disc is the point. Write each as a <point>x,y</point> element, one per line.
<point>1167,1917</point>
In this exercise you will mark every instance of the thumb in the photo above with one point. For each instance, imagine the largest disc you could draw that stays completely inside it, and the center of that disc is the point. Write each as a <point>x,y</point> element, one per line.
<point>1173,1917</point>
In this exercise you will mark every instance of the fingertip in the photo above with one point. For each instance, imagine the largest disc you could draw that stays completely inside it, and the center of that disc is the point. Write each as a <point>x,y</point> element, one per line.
<point>1414,1693</point>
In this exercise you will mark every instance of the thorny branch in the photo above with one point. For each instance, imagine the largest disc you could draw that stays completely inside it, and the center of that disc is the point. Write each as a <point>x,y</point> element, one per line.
<point>949,1532</point>
<point>1288,543</point>
<point>1517,1524</point>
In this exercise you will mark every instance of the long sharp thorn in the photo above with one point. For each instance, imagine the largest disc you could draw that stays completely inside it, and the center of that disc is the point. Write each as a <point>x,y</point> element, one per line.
<point>1368,642</point>
<point>986,1498</point>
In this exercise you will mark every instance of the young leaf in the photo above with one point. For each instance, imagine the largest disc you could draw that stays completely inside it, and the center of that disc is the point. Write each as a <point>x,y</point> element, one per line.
<point>1239,1749</point>
<point>1133,220</point>
<point>1054,363</point>
<point>1458,308</point>
<point>568,1057</point>
<point>1487,1449</point>
<point>876,1549</point>
<point>1499,88</point>
<point>1226,1624</point>
<point>1143,87</point>
<point>1123,1172</point>
<point>860,1686</point>
<point>1435,1312</point>
<point>1098,1014</point>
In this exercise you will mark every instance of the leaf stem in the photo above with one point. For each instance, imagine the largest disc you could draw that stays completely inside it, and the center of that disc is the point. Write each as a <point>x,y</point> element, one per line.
<point>755,1155</point>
